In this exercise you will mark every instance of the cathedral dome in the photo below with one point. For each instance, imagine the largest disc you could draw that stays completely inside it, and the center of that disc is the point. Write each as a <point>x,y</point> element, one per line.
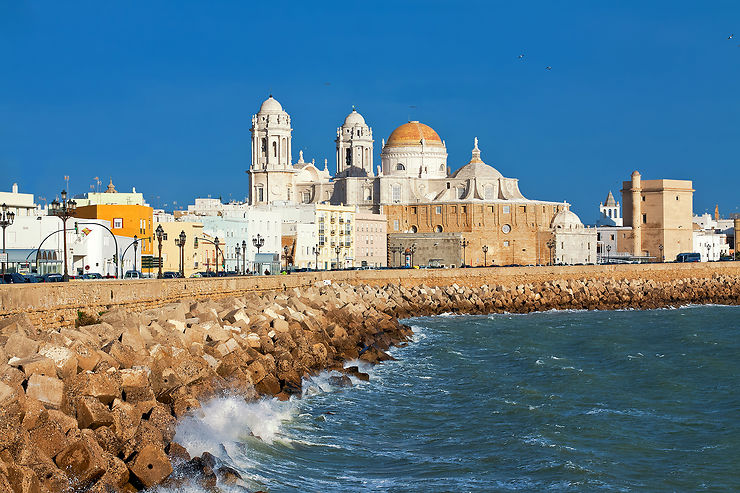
<point>566,219</point>
<point>411,134</point>
<point>476,168</point>
<point>271,105</point>
<point>353,119</point>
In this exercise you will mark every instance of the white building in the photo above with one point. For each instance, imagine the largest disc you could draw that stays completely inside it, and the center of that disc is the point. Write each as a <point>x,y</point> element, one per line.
<point>236,228</point>
<point>110,197</point>
<point>710,245</point>
<point>574,243</point>
<point>610,212</point>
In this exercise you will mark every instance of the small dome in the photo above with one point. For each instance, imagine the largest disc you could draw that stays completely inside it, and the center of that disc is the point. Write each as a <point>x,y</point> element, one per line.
<point>271,105</point>
<point>353,119</point>
<point>411,134</point>
<point>477,170</point>
<point>566,219</point>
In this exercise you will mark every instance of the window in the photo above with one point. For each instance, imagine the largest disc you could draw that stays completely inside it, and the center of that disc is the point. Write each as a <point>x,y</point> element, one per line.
<point>676,197</point>
<point>438,209</point>
<point>117,223</point>
<point>507,209</point>
<point>438,229</point>
<point>400,167</point>
<point>643,198</point>
<point>488,194</point>
<point>612,237</point>
<point>523,209</point>
<point>644,218</point>
<point>506,243</point>
<point>453,209</point>
<point>414,229</point>
<point>464,209</point>
<point>368,194</point>
<point>413,210</point>
<point>460,192</point>
<point>274,149</point>
<point>260,194</point>
<point>306,197</point>
<point>396,193</point>
<point>395,225</point>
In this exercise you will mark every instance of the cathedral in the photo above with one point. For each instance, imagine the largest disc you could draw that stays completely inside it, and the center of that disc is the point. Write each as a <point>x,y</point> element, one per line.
<point>413,167</point>
<point>413,187</point>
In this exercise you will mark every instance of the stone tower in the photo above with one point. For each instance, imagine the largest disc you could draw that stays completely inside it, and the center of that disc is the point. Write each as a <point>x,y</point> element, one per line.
<point>636,192</point>
<point>354,147</point>
<point>271,176</point>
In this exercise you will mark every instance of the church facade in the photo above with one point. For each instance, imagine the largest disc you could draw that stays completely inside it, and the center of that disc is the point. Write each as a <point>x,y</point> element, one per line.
<point>412,186</point>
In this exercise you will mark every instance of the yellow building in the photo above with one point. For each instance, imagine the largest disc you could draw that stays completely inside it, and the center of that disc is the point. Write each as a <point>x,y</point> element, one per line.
<point>125,220</point>
<point>660,213</point>
<point>336,233</point>
<point>195,252</point>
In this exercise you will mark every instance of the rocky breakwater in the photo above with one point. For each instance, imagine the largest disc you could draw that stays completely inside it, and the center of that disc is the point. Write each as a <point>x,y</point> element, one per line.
<point>94,408</point>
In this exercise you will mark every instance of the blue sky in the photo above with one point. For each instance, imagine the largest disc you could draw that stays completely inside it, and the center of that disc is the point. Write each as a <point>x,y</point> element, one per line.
<point>159,95</point>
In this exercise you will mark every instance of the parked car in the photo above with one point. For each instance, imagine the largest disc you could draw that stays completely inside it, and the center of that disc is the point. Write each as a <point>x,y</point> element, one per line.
<point>53,277</point>
<point>688,257</point>
<point>33,278</point>
<point>14,278</point>
<point>133,274</point>
<point>92,275</point>
<point>196,274</point>
<point>170,275</point>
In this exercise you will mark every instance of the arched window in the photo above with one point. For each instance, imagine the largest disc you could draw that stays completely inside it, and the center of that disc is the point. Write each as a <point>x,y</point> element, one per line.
<point>438,229</point>
<point>264,147</point>
<point>368,193</point>
<point>400,167</point>
<point>284,148</point>
<point>274,149</point>
<point>414,229</point>
<point>348,157</point>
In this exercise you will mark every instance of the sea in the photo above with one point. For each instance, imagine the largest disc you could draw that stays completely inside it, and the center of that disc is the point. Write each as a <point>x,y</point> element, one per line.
<point>629,400</point>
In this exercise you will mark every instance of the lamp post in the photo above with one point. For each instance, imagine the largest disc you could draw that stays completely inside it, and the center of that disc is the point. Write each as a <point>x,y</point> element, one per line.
<point>215,243</point>
<point>285,254</point>
<point>412,251</point>
<point>550,245</point>
<point>63,211</point>
<point>258,242</point>
<point>660,247</point>
<point>136,245</point>
<point>160,236</point>
<point>393,254</point>
<point>464,244</point>
<point>338,249</point>
<point>6,219</point>
<point>485,253</point>
<point>180,242</point>
<point>244,256</point>
<point>608,251</point>
<point>316,251</point>
<point>236,252</point>
<point>709,247</point>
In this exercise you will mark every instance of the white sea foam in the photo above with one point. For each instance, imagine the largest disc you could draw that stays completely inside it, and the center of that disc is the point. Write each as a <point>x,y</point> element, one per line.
<point>224,422</point>
<point>539,362</point>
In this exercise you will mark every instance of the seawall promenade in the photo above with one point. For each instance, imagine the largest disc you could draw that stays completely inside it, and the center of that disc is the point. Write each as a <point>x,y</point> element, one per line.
<point>91,403</point>
<point>56,304</point>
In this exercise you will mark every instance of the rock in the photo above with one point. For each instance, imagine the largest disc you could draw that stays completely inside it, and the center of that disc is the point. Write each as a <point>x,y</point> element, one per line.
<point>64,359</point>
<point>269,385</point>
<point>98,385</point>
<point>340,381</point>
<point>23,479</point>
<point>83,461</point>
<point>37,364</point>
<point>91,413</point>
<point>280,325</point>
<point>150,466</point>
<point>20,346</point>
<point>48,390</point>
<point>256,372</point>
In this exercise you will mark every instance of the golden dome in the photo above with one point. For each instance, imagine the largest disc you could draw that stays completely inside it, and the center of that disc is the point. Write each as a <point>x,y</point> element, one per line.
<point>411,134</point>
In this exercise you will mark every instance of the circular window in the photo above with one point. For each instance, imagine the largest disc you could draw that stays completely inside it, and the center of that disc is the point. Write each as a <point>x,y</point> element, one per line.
<point>438,229</point>
<point>506,228</point>
<point>414,229</point>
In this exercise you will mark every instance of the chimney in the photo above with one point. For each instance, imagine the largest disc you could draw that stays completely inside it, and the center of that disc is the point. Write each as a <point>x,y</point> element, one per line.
<point>15,188</point>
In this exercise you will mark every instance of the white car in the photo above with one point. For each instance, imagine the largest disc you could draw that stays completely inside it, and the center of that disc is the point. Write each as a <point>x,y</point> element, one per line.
<point>133,274</point>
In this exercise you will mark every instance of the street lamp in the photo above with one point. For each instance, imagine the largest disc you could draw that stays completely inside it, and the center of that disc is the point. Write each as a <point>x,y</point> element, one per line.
<point>338,249</point>
<point>550,245</point>
<point>160,236</point>
<point>215,243</point>
<point>412,251</point>
<point>608,251</point>
<point>63,211</point>
<point>485,253</point>
<point>662,258</point>
<point>393,250</point>
<point>180,242</point>
<point>709,247</point>
<point>244,256</point>
<point>6,219</point>
<point>136,245</point>
<point>285,254</point>
<point>236,252</point>
<point>258,242</point>
<point>316,251</point>
<point>464,244</point>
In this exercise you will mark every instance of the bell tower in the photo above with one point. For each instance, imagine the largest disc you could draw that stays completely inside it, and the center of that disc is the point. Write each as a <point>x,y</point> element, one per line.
<point>354,147</point>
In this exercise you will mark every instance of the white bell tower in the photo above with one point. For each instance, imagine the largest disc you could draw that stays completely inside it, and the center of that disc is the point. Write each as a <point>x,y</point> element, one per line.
<point>354,147</point>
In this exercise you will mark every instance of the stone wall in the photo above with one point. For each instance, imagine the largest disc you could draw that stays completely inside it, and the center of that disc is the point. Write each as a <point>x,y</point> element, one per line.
<point>56,304</point>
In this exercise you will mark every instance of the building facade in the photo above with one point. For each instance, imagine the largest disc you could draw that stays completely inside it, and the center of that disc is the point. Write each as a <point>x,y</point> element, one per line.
<point>195,252</point>
<point>371,245</point>
<point>660,215</point>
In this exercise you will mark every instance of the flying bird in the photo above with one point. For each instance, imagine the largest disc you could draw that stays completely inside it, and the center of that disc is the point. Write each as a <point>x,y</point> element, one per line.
<point>730,36</point>
<point>548,68</point>
<point>521,56</point>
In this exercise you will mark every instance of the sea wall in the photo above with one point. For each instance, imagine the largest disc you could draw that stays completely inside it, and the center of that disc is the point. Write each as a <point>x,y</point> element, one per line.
<point>56,304</point>
<point>94,407</point>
